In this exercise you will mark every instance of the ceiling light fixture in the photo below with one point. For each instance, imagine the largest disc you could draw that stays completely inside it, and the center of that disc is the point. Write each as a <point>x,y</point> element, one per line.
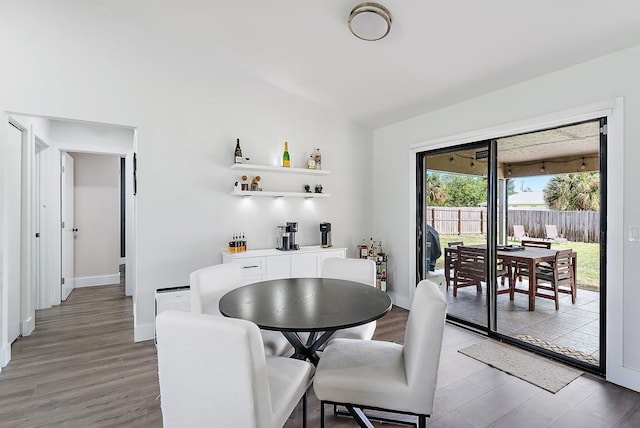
<point>542,169</point>
<point>583,166</point>
<point>370,21</point>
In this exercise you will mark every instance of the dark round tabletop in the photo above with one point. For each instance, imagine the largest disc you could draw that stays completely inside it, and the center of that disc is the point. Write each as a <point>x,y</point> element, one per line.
<point>306,304</point>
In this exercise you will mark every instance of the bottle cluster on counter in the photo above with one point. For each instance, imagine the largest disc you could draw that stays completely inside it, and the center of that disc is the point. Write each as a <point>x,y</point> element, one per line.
<point>374,251</point>
<point>238,243</point>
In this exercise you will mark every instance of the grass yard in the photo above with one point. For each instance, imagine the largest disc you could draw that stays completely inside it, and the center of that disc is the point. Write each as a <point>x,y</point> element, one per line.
<point>588,257</point>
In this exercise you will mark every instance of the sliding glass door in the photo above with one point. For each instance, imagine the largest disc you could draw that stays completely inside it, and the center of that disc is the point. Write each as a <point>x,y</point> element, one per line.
<point>516,218</point>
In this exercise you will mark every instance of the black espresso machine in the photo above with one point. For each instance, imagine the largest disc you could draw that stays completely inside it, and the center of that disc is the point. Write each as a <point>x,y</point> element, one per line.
<point>325,234</point>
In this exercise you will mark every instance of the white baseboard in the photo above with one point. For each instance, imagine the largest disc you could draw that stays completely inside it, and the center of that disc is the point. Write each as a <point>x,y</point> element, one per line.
<point>28,326</point>
<point>400,301</point>
<point>5,355</point>
<point>143,332</point>
<point>624,377</point>
<point>92,281</point>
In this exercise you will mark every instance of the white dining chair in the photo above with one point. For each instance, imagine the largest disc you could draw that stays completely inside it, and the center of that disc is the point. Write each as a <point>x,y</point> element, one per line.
<point>209,284</point>
<point>357,270</point>
<point>371,374</point>
<point>213,371</point>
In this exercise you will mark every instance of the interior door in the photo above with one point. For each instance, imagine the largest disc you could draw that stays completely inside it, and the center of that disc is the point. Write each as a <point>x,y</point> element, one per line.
<point>14,243</point>
<point>67,230</point>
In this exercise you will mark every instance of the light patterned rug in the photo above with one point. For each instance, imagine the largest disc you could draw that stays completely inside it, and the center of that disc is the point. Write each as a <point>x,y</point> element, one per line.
<point>525,365</point>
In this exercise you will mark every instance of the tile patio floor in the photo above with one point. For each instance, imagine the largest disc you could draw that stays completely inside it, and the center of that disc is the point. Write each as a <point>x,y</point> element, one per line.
<point>575,327</point>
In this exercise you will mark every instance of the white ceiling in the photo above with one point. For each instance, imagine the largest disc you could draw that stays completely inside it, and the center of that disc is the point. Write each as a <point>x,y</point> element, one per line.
<point>437,54</point>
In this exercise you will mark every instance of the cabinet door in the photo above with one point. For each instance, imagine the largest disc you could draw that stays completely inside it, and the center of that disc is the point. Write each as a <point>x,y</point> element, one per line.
<point>327,255</point>
<point>304,266</point>
<point>278,267</point>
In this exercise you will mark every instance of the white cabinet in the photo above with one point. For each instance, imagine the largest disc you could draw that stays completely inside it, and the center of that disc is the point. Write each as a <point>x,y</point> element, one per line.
<point>260,265</point>
<point>305,265</point>
<point>278,267</point>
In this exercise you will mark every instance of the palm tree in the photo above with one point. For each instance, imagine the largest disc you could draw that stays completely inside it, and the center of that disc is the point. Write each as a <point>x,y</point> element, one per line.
<point>436,190</point>
<point>574,192</point>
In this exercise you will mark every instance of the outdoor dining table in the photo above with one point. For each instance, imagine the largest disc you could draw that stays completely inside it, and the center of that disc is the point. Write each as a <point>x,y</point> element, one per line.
<point>318,306</point>
<point>510,255</point>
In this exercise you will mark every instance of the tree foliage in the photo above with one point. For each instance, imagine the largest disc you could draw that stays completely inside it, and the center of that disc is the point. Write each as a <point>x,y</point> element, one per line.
<point>574,192</point>
<point>449,190</point>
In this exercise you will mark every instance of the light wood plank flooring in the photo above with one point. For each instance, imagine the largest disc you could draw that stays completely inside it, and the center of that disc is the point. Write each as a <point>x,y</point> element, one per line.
<point>81,368</point>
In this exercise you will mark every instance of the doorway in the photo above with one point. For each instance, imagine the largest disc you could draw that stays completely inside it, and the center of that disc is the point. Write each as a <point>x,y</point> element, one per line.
<point>34,220</point>
<point>481,195</point>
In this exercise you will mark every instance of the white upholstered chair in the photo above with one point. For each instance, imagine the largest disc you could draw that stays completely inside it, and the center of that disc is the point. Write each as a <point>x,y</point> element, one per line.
<point>209,284</point>
<point>357,270</point>
<point>385,375</point>
<point>213,372</point>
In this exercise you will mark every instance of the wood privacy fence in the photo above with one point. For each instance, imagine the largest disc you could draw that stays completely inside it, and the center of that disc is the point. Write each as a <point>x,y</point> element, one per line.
<point>576,226</point>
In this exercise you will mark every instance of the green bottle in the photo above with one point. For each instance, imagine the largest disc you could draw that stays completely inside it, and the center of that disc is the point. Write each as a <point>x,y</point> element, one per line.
<point>286,161</point>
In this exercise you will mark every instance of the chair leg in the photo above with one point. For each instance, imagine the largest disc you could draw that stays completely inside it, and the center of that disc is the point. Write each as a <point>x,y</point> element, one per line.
<point>322,414</point>
<point>304,410</point>
<point>422,421</point>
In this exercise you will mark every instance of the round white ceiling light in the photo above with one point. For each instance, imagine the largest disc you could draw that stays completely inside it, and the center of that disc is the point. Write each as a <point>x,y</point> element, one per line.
<point>370,21</point>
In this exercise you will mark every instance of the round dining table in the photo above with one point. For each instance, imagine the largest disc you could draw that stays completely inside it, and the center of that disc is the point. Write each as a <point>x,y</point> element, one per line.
<point>318,306</point>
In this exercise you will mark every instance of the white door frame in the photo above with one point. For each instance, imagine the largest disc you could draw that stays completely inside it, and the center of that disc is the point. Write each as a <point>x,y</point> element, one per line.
<point>616,370</point>
<point>50,256</point>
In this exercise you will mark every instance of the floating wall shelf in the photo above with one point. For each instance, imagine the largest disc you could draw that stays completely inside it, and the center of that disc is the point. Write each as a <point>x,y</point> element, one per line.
<point>246,193</point>
<point>278,169</point>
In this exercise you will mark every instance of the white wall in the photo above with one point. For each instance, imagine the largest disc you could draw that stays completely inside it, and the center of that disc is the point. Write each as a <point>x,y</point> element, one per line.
<point>97,218</point>
<point>606,78</point>
<point>187,116</point>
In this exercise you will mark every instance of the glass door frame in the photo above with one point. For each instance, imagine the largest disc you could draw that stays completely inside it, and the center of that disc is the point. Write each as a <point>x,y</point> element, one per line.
<point>492,233</point>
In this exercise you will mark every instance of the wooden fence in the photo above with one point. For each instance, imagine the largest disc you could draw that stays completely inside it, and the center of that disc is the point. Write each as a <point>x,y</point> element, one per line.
<point>576,226</point>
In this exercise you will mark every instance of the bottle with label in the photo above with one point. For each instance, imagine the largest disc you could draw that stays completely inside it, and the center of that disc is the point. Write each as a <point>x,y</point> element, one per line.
<point>238,155</point>
<point>317,158</point>
<point>286,160</point>
<point>311,163</point>
<point>363,250</point>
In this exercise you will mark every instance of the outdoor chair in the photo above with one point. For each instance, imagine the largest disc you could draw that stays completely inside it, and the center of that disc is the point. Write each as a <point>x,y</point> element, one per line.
<point>552,233</point>
<point>518,232</point>
<point>213,372</point>
<point>520,269</point>
<point>471,270</point>
<point>557,277</point>
<point>452,261</point>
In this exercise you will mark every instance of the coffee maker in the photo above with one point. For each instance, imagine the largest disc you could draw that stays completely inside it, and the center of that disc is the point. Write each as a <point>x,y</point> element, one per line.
<point>325,233</point>
<point>287,237</point>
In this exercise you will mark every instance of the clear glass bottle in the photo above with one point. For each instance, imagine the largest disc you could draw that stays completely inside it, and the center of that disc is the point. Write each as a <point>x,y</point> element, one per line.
<point>317,157</point>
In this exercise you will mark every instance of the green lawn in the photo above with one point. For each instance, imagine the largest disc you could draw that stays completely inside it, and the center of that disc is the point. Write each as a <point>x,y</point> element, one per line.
<point>588,257</point>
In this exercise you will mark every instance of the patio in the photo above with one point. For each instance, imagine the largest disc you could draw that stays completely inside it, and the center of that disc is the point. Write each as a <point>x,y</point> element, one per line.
<point>572,330</point>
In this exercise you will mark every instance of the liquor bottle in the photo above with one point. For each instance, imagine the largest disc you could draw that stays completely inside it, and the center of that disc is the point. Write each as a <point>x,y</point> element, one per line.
<point>311,163</point>
<point>363,249</point>
<point>317,158</point>
<point>286,161</point>
<point>238,155</point>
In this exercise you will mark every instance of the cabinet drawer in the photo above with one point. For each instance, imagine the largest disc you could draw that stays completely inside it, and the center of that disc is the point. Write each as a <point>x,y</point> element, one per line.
<point>251,266</point>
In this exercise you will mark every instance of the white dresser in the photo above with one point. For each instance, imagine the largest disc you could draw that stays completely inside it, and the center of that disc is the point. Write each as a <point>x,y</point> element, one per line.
<point>261,265</point>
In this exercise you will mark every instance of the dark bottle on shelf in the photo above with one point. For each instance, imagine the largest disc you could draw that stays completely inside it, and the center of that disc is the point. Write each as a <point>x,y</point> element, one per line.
<point>238,155</point>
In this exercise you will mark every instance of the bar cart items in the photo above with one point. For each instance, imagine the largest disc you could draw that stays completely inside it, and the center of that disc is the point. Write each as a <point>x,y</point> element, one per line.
<point>374,252</point>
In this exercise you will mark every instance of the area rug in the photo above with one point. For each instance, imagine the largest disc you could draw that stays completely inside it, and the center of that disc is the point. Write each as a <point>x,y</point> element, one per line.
<point>527,366</point>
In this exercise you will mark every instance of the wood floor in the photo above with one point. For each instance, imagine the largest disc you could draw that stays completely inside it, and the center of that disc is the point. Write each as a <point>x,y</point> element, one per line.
<point>81,368</point>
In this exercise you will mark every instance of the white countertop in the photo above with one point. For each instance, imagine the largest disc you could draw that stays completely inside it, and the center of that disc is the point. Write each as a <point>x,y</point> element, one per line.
<point>274,252</point>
